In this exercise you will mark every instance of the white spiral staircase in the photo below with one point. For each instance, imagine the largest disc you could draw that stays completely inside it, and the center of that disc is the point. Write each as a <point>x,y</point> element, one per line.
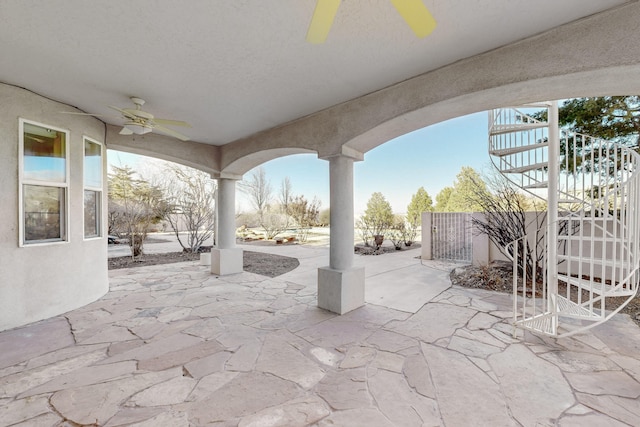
<point>586,258</point>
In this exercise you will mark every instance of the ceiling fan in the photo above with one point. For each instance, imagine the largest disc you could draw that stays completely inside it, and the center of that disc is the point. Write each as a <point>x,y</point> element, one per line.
<point>414,12</point>
<point>139,122</point>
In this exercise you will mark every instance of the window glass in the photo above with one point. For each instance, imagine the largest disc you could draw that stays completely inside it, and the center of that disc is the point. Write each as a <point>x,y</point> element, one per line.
<point>43,213</point>
<point>44,154</point>
<point>92,164</point>
<point>92,188</point>
<point>91,213</point>
<point>43,183</point>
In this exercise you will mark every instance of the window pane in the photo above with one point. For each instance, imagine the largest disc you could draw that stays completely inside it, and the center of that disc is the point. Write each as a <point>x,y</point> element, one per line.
<point>92,164</point>
<point>44,154</point>
<point>43,213</point>
<point>91,213</point>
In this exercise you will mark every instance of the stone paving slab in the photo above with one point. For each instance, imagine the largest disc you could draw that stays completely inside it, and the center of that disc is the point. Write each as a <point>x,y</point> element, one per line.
<point>173,346</point>
<point>21,344</point>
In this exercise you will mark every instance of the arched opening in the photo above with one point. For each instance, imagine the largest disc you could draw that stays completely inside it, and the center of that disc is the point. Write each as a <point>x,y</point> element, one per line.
<point>297,201</point>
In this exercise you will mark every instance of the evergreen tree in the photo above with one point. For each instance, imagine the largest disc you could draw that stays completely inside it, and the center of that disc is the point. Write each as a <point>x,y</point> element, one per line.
<point>378,216</point>
<point>442,199</point>
<point>614,118</point>
<point>466,188</point>
<point>420,202</point>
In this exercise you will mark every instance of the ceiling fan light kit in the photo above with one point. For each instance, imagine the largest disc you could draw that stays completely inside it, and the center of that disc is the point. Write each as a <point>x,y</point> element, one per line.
<point>135,128</point>
<point>414,12</point>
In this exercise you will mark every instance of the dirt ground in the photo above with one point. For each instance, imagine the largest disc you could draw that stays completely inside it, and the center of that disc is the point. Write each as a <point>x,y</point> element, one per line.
<point>498,277</point>
<point>369,250</point>
<point>254,262</point>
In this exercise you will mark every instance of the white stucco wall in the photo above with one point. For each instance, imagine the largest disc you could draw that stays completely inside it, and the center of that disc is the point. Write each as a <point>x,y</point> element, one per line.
<point>40,281</point>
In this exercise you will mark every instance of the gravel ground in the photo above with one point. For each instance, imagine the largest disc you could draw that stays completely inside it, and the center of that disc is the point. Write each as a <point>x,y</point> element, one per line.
<point>369,250</point>
<point>498,277</point>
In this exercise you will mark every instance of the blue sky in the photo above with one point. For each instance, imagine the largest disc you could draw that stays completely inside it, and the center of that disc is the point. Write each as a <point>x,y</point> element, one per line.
<point>429,157</point>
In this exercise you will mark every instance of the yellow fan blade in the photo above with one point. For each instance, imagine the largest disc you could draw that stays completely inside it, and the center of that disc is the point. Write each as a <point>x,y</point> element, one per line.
<point>417,16</point>
<point>321,21</point>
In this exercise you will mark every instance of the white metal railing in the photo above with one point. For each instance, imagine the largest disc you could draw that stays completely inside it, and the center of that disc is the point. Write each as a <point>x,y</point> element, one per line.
<point>596,240</point>
<point>517,144</point>
<point>530,303</point>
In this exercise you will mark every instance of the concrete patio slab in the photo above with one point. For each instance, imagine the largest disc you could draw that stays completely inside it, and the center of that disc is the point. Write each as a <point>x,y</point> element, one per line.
<point>415,287</point>
<point>171,345</point>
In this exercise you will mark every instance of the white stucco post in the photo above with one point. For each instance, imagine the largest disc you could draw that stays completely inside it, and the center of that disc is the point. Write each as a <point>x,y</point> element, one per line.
<point>426,235</point>
<point>480,243</point>
<point>226,258</point>
<point>340,285</point>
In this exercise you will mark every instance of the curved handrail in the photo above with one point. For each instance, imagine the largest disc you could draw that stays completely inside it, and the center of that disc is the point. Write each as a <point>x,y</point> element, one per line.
<point>599,193</point>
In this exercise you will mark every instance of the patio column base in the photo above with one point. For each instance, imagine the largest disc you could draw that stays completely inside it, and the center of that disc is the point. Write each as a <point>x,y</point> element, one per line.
<point>340,291</point>
<point>226,261</point>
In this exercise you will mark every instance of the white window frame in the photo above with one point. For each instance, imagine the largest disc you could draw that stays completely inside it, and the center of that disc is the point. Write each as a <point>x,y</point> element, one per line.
<point>22,181</point>
<point>98,190</point>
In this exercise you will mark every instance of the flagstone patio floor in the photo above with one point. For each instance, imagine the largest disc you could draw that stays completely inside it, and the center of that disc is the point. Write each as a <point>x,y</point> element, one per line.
<point>173,345</point>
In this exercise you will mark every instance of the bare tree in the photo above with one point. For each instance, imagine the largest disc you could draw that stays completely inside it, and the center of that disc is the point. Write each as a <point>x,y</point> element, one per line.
<point>274,222</point>
<point>273,219</point>
<point>304,214</point>
<point>191,194</point>
<point>134,204</point>
<point>258,188</point>
<point>505,220</point>
<point>364,230</point>
<point>286,194</point>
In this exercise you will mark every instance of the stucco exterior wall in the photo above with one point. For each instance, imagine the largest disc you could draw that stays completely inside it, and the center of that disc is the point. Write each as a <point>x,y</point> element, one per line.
<point>40,281</point>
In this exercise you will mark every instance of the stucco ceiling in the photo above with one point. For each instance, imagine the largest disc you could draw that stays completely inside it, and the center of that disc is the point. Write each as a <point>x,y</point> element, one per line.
<point>233,68</point>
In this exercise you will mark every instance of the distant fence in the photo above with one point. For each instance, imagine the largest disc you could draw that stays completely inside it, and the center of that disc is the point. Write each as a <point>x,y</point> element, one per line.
<point>452,236</point>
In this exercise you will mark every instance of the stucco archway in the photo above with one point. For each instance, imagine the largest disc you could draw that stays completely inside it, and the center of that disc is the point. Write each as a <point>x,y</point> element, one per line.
<point>597,55</point>
<point>245,163</point>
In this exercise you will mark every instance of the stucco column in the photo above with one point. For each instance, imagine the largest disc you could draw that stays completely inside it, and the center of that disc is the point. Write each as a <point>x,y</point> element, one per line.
<point>426,235</point>
<point>342,219</point>
<point>480,243</point>
<point>340,285</point>
<point>226,258</point>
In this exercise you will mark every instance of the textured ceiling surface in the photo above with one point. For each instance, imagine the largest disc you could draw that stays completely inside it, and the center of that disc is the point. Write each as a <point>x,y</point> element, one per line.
<point>234,68</point>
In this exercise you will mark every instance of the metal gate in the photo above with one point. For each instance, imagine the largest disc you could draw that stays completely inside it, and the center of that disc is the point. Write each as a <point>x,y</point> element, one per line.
<point>451,236</point>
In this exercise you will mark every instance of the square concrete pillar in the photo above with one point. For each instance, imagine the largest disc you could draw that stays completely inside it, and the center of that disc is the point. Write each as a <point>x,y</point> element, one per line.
<point>427,235</point>
<point>205,258</point>
<point>226,261</point>
<point>340,291</point>
<point>480,243</point>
